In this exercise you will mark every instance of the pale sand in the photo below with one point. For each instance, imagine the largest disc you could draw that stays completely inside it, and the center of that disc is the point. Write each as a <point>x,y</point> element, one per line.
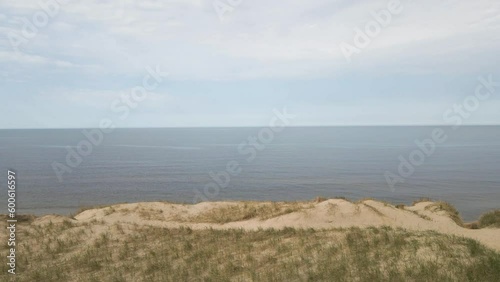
<point>334,213</point>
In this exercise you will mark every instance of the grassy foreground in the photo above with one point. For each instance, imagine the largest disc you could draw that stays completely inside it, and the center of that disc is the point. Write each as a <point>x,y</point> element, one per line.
<point>97,251</point>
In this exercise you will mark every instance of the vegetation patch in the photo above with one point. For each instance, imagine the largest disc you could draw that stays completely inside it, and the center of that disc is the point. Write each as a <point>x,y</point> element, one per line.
<point>247,211</point>
<point>375,210</point>
<point>91,252</point>
<point>151,214</point>
<point>449,209</point>
<point>490,219</point>
<point>422,200</point>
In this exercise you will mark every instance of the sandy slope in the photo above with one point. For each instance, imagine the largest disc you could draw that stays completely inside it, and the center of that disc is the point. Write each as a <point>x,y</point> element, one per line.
<point>334,213</point>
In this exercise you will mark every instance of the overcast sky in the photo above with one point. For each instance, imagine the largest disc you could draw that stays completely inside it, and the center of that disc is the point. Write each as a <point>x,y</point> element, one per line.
<point>233,66</point>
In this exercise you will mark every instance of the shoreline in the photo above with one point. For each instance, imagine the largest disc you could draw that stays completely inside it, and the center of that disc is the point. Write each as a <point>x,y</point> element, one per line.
<point>71,211</point>
<point>67,211</point>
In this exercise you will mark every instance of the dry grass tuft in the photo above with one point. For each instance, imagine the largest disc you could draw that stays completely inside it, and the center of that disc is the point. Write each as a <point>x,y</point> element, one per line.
<point>247,211</point>
<point>421,200</point>
<point>449,209</point>
<point>490,219</point>
<point>151,214</point>
<point>92,252</point>
<point>375,210</point>
<point>320,200</point>
<point>472,225</point>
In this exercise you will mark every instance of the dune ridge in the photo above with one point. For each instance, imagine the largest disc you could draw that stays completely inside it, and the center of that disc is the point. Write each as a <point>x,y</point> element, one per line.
<point>320,214</point>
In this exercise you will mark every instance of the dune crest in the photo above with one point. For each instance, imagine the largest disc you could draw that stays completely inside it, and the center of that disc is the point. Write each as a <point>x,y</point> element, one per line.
<point>327,214</point>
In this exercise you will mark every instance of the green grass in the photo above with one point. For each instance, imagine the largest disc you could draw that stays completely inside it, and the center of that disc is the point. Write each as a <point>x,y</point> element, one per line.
<point>490,219</point>
<point>98,252</point>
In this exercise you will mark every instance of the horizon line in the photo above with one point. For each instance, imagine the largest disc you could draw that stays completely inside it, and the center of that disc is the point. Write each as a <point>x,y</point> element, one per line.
<point>260,126</point>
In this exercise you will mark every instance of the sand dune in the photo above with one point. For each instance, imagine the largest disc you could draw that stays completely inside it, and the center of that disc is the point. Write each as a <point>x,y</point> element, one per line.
<point>333,213</point>
<point>259,241</point>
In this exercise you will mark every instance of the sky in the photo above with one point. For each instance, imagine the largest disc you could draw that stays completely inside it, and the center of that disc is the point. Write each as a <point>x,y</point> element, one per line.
<point>64,64</point>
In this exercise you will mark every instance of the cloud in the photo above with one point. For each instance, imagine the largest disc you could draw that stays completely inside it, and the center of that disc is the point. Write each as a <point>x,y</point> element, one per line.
<point>23,58</point>
<point>260,39</point>
<point>98,99</point>
<point>92,50</point>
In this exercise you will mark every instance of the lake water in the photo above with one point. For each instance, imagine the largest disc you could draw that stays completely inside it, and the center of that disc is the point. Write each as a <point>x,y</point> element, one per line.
<point>299,164</point>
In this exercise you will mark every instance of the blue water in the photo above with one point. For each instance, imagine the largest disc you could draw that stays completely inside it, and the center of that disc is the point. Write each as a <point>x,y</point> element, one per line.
<point>299,164</point>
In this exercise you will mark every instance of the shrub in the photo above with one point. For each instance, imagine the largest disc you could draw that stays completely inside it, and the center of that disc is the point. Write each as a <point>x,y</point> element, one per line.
<point>490,219</point>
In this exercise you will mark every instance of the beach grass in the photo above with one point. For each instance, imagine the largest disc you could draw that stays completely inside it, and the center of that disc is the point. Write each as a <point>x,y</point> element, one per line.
<point>249,210</point>
<point>490,219</point>
<point>96,251</point>
<point>448,208</point>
